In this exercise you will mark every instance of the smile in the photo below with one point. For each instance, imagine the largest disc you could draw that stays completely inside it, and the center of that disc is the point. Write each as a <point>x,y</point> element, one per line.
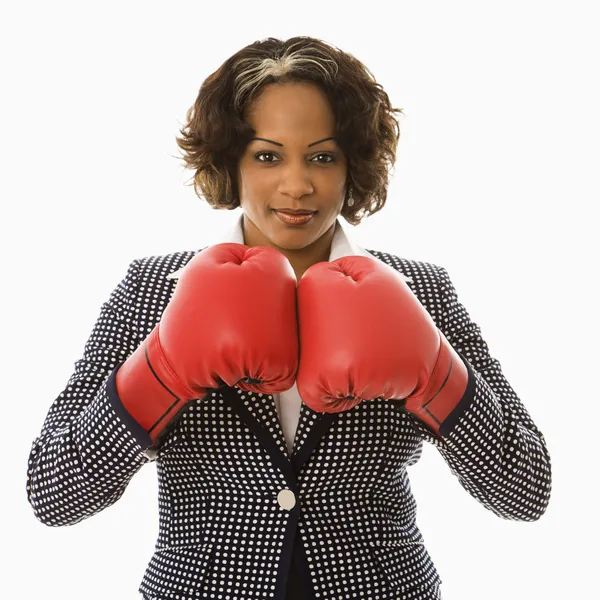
<point>294,219</point>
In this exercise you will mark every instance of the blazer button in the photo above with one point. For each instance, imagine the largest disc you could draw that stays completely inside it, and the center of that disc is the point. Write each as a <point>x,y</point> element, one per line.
<point>286,499</point>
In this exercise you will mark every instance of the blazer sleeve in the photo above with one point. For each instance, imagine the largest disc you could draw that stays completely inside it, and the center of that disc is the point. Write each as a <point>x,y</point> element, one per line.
<point>89,448</point>
<point>491,444</point>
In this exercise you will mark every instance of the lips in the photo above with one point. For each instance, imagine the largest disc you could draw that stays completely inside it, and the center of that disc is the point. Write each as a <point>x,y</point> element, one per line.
<point>289,211</point>
<point>298,219</point>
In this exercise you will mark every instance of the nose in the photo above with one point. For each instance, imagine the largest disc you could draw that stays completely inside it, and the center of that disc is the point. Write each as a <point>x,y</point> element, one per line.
<point>295,180</point>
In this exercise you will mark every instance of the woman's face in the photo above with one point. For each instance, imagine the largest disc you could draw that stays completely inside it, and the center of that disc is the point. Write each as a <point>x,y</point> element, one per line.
<point>299,167</point>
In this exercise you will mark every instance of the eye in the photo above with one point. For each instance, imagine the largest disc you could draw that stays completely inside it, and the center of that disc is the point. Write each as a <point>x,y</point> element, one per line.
<point>329,156</point>
<point>264,154</point>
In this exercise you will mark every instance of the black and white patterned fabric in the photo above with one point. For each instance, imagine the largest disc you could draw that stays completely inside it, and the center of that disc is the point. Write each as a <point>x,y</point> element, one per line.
<point>235,507</point>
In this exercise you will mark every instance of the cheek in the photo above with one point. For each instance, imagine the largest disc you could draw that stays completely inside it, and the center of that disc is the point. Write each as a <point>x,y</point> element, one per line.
<point>252,178</point>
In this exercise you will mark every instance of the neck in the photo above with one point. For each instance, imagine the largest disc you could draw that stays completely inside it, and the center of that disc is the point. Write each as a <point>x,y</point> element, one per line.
<point>300,259</point>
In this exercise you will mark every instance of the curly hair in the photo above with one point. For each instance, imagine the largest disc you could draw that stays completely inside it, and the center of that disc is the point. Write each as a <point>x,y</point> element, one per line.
<point>216,134</point>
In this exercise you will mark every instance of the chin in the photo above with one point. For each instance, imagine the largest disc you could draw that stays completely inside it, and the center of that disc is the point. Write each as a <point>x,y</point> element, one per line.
<point>279,235</point>
<point>283,242</point>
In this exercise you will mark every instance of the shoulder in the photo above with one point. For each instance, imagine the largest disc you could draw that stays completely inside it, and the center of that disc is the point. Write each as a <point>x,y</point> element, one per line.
<point>429,282</point>
<point>158,266</point>
<point>417,270</point>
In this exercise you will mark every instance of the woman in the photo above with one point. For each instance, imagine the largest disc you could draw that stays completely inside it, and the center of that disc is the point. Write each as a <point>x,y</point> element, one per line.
<point>284,378</point>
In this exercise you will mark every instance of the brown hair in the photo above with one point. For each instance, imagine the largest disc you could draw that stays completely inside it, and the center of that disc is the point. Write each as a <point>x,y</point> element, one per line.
<point>216,135</point>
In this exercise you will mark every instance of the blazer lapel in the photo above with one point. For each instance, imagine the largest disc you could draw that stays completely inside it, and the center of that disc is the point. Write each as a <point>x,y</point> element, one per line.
<point>259,413</point>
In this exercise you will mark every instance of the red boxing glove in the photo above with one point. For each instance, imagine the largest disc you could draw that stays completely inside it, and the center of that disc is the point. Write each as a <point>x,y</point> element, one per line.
<point>365,335</point>
<point>232,319</point>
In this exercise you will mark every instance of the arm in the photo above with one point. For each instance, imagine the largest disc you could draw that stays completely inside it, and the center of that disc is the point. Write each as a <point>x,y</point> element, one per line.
<point>492,445</point>
<point>86,453</point>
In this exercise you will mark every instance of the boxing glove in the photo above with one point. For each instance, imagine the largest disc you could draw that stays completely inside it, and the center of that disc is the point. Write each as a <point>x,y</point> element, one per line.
<point>364,335</point>
<point>231,320</point>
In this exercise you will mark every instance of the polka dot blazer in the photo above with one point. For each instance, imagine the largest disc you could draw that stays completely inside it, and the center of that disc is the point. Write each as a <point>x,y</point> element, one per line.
<point>239,516</point>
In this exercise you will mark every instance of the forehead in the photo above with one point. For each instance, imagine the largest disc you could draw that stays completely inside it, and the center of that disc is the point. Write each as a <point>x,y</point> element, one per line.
<point>291,106</point>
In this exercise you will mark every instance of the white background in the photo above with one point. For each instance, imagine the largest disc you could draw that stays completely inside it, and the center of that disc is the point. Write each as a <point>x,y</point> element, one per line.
<point>496,179</point>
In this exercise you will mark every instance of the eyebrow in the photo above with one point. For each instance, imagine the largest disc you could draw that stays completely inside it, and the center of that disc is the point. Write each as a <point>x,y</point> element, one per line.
<point>278,144</point>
